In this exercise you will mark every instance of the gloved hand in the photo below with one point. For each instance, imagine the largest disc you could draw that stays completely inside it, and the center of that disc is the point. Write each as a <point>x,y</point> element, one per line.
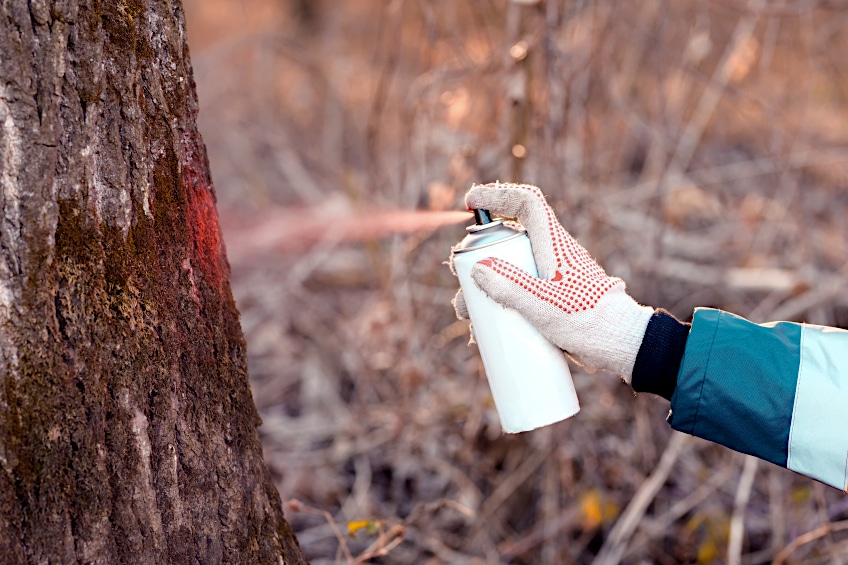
<point>574,303</point>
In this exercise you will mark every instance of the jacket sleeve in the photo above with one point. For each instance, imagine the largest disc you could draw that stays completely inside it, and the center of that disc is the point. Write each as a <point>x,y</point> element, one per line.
<point>778,391</point>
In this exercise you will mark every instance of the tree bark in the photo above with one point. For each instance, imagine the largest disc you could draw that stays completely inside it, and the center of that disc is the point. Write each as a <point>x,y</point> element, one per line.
<point>127,426</point>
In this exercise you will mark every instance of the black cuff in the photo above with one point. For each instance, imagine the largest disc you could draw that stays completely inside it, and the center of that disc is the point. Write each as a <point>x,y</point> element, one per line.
<point>660,354</point>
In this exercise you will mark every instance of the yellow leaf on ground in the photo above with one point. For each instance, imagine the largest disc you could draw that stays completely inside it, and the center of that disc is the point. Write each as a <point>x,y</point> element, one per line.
<point>371,527</point>
<point>356,525</point>
<point>596,510</point>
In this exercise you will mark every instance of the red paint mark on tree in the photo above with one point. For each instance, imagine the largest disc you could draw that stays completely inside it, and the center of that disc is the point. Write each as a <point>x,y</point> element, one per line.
<point>208,253</point>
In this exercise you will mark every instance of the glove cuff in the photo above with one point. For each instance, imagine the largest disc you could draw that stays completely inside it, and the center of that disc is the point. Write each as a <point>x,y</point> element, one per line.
<point>625,325</point>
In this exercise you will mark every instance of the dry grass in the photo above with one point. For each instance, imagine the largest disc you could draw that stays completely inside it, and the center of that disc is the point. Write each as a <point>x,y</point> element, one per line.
<point>698,149</point>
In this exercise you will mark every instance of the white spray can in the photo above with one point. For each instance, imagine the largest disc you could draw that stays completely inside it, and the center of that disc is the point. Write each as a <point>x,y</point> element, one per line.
<point>528,375</point>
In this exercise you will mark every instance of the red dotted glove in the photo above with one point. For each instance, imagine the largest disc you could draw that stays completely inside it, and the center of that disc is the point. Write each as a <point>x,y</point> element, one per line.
<point>574,303</point>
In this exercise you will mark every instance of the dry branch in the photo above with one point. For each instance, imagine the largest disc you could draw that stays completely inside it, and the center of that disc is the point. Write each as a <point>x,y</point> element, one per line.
<point>616,543</point>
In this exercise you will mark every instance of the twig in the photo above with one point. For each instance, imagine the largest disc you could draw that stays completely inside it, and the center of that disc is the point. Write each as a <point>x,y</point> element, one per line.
<point>386,540</point>
<point>777,520</point>
<point>615,545</point>
<point>298,177</point>
<point>538,535</point>
<point>821,510</point>
<point>725,173</point>
<point>297,506</point>
<point>357,501</point>
<point>707,104</point>
<point>824,293</point>
<point>715,89</point>
<point>740,503</point>
<point>394,30</point>
<point>436,546</point>
<point>660,525</point>
<point>578,96</point>
<point>384,543</point>
<point>810,536</point>
<point>550,505</point>
<point>431,508</point>
<point>510,485</point>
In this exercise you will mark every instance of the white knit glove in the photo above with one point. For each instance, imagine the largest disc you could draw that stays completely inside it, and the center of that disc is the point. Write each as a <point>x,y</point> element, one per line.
<point>574,304</point>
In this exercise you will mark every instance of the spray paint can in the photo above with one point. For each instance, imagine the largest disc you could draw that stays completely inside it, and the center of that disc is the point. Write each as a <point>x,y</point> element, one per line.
<point>528,375</point>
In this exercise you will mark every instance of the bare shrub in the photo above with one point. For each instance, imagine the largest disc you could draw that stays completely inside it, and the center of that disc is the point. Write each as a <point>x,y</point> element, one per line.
<point>696,148</point>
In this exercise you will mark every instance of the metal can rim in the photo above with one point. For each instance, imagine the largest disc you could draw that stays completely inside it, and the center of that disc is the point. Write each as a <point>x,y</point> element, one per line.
<point>489,244</point>
<point>476,227</point>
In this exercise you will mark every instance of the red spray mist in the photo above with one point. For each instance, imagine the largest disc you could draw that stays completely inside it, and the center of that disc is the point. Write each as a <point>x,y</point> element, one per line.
<point>296,229</point>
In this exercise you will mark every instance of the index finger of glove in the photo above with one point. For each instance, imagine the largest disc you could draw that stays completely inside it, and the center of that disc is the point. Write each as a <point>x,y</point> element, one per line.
<point>522,201</point>
<point>528,204</point>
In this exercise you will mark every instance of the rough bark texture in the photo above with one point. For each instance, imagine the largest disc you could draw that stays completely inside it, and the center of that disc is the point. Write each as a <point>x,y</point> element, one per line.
<point>127,427</point>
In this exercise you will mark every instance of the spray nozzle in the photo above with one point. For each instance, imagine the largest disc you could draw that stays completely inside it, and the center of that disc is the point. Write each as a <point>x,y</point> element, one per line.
<point>482,217</point>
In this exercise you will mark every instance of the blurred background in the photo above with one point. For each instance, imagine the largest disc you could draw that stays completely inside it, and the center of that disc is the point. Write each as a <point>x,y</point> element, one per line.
<point>696,148</point>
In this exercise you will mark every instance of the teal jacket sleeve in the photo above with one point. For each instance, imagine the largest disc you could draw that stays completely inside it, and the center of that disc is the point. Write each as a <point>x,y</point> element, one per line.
<point>777,391</point>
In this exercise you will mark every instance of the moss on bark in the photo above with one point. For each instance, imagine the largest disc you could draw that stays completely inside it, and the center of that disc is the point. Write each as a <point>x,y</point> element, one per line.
<point>127,426</point>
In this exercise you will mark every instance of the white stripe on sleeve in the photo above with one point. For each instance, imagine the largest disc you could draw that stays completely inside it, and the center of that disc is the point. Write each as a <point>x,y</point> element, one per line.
<point>818,437</point>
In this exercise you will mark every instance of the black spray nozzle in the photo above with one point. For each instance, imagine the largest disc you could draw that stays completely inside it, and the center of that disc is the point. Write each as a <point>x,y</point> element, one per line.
<point>482,217</point>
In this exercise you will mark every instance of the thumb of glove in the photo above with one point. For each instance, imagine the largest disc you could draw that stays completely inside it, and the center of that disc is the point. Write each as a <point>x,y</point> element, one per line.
<point>459,306</point>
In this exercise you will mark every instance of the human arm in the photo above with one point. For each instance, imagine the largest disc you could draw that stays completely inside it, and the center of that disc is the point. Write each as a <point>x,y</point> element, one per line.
<point>777,391</point>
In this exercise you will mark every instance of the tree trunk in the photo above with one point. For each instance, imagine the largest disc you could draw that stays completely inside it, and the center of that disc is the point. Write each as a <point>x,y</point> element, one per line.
<point>127,426</point>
